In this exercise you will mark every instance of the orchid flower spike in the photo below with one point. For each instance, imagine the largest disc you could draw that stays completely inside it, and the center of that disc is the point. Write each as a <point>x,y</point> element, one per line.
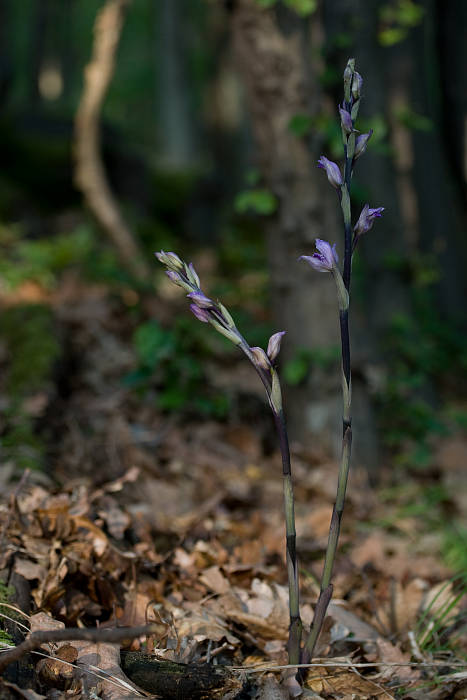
<point>332,171</point>
<point>325,259</point>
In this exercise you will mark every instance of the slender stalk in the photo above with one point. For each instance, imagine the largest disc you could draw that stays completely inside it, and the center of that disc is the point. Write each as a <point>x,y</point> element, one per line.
<point>271,383</point>
<point>295,629</point>
<point>338,509</point>
<point>215,313</point>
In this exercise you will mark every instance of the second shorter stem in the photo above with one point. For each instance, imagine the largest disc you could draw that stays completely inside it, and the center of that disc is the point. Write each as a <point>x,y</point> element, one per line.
<point>295,629</point>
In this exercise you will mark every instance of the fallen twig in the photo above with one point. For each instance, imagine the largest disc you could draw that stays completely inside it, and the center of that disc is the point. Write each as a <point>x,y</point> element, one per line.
<point>109,636</point>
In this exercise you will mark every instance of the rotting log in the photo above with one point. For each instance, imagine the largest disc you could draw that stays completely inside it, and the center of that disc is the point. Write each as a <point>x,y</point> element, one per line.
<point>175,680</point>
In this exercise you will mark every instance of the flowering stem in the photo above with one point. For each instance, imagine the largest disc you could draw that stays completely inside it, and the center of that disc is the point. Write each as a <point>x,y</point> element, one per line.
<point>338,509</point>
<point>295,629</point>
<point>270,380</point>
<point>208,311</point>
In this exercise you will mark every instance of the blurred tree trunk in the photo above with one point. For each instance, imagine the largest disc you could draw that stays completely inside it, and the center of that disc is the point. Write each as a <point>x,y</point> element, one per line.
<point>439,187</point>
<point>452,16</point>
<point>175,121</point>
<point>90,176</point>
<point>273,49</point>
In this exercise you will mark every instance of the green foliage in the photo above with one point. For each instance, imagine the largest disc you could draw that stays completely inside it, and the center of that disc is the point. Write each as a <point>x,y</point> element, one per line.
<point>6,594</point>
<point>425,350</point>
<point>300,124</point>
<point>439,614</point>
<point>40,260</point>
<point>259,200</point>
<point>304,8</point>
<point>168,362</point>
<point>296,370</point>
<point>414,121</point>
<point>33,349</point>
<point>397,18</point>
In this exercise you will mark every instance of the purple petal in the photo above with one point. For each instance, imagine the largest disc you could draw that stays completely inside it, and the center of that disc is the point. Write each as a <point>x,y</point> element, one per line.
<point>200,314</point>
<point>366,218</point>
<point>346,121</point>
<point>202,301</point>
<point>357,84</point>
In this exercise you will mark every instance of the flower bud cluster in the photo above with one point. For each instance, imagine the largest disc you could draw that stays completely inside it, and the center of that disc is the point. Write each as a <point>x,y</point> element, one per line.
<point>355,145</point>
<point>203,308</point>
<point>209,311</point>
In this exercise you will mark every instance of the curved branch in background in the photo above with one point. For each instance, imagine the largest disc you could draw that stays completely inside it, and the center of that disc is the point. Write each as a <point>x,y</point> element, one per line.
<point>90,176</point>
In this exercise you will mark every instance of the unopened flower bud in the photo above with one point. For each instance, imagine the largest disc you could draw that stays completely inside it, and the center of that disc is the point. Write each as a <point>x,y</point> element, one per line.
<point>274,345</point>
<point>357,84</point>
<point>361,144</point>
<point>173,276</point>
<point>192,274</point>
<point>325,259</point>
<point>348,73</point>
<point>201,314</point>
<point>346,121</point>
<point>170,260</point>
<point>333,172</point>
<point>260,358</point>
<point>201,300</point>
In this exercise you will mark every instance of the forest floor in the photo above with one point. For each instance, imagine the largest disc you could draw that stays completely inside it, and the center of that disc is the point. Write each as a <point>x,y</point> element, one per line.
<point>141,518</point>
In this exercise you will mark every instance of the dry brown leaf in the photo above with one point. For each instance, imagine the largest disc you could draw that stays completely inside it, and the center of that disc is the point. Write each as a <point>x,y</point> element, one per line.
<point>214,579</point>
<point>401,611</point>
<point>337,682</point>
<point>391,654</point>
<point>29,569</point>
<point>201,626</point>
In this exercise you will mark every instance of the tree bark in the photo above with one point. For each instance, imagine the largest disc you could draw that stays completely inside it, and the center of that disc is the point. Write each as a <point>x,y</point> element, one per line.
<point>90,174</point>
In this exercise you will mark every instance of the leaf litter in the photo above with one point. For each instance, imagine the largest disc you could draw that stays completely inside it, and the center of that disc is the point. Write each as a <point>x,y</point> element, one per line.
<point>144,518</point>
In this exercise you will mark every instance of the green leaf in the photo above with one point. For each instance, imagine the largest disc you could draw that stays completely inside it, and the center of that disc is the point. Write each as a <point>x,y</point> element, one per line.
<point>392,35</point>
<point>300,124</point>
<point>415,121</point>
<point>296,370</point>
<point>260,201</point>
<point>153,343</point>
<point>302,7</point>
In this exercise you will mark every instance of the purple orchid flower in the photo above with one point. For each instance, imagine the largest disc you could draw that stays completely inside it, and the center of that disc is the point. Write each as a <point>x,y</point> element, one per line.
<point>325,259</point>
<point>366,219</point>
